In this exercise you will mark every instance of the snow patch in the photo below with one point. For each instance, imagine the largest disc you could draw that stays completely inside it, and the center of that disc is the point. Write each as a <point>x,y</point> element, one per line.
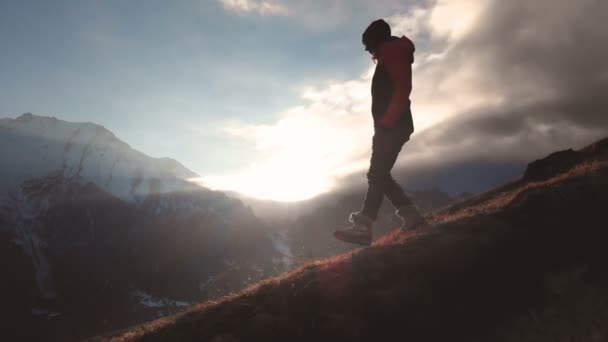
<point>279,242</point>
<point>26,224</point>
<point>33,146</point>
<point>151,301</point>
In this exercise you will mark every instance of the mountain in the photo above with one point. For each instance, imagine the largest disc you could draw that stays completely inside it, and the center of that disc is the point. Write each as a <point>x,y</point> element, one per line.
<point>96,236</point>
<point>526,261</point>
<point>34,146</point>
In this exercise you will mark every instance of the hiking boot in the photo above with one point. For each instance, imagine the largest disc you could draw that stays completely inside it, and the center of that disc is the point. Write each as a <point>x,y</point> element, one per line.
<point>411,217</point>
<point>360,232</point>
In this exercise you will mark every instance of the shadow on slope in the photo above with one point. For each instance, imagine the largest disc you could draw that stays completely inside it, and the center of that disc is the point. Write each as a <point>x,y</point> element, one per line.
<point>499,266</point>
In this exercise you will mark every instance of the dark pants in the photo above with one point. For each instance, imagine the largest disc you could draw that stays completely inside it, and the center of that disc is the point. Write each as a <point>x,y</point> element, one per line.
<point>386,145</point>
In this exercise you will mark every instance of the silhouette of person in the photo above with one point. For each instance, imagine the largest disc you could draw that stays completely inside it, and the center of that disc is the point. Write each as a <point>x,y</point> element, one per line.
<point>393,125</point>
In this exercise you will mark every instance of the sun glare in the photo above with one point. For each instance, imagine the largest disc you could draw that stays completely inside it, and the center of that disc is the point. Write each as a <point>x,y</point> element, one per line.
<point>276,186</point>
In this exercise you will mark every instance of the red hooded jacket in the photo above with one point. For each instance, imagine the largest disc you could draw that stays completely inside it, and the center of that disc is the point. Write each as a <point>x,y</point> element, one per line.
<point>392,83</point>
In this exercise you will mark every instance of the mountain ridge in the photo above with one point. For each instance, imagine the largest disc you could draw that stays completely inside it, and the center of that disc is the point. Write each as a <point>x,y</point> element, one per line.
<point>33,146</point>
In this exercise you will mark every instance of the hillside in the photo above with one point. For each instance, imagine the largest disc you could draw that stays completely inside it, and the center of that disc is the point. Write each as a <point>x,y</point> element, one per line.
<point>523,262</point>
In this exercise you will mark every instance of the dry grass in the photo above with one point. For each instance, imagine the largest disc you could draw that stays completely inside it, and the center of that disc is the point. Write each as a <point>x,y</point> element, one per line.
<point>490,202</point>
<point>320,266</point>
<point>502,200</point>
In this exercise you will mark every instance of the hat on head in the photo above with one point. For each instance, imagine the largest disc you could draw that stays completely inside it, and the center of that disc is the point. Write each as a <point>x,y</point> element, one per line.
<point>376,32</point>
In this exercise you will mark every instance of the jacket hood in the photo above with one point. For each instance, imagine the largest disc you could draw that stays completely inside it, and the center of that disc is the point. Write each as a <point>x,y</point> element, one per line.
<point>397,46</point>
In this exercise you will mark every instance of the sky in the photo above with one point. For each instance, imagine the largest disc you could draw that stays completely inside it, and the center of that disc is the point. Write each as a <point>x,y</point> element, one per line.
<point>271,98</point>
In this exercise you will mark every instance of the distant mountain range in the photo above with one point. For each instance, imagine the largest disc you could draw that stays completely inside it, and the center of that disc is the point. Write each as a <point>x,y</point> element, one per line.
<point>95,235</point>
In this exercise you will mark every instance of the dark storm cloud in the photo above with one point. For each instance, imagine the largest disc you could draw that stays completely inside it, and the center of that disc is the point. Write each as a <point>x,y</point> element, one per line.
<point>549,62</point>
<point>563,45</point>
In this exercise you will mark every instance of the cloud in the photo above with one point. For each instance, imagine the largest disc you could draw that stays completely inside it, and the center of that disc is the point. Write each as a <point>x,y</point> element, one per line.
<point>253,6</point>
<point>493,81</point>
<point>308,149</point>
<point>323,15</point>
<point>536,70</point>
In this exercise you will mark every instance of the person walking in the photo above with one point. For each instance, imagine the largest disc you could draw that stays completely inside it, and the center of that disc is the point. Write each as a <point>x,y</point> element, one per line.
<point>393,126</point>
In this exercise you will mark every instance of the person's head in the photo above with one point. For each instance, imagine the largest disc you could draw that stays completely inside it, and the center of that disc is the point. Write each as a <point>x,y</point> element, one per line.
<point>375,34</point>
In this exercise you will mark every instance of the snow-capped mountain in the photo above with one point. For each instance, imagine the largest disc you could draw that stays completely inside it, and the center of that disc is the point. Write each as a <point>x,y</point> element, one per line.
<point>91,226</point>
<point>34,146</point>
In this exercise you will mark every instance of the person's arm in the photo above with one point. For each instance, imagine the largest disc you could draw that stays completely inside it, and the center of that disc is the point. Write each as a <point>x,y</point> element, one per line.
<point>397,61</point>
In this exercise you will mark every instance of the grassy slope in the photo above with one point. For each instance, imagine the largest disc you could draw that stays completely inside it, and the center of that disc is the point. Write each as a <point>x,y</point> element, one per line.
<point>526,261</point>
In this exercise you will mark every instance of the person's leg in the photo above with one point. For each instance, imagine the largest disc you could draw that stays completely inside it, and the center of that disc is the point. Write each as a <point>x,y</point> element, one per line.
<point>395,194</point>
<point>386,145</point>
